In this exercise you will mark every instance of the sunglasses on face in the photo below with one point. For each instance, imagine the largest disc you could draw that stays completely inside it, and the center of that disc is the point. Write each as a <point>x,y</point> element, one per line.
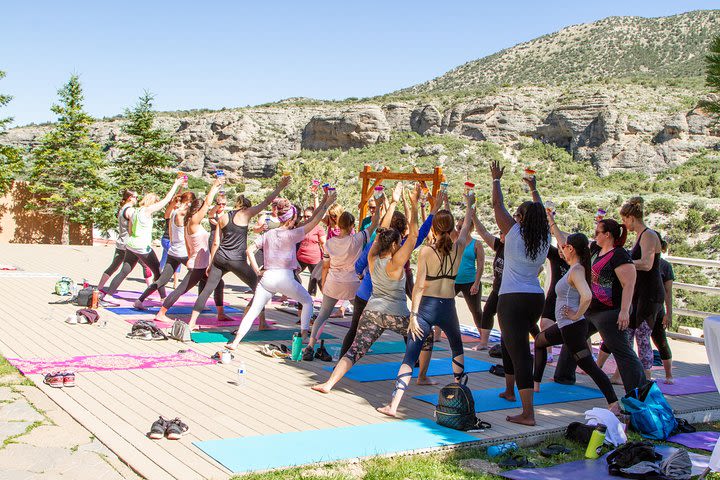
<point>221,204</point>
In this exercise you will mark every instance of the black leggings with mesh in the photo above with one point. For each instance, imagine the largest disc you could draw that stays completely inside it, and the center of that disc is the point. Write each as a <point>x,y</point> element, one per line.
<point>219,268</point>
<point>148,260</point>
<point>574,337</point>
<point>472,301</point>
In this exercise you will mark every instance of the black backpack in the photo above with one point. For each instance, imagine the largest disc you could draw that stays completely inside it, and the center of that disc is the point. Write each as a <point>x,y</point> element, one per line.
<point>84,297</point>
<point>456,408</point>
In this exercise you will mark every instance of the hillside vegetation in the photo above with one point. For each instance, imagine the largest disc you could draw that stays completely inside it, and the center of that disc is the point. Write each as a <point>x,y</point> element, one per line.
<point>671,48</point>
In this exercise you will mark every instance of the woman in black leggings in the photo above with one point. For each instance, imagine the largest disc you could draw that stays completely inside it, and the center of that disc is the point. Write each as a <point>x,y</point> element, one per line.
<point>231,254</point>
<point>571,327</point>
<point>664,318</point>
<point>490,309</point>
<point>521,297</point>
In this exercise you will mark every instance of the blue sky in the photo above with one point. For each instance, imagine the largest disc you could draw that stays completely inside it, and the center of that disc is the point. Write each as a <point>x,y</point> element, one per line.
<point>215,54</point>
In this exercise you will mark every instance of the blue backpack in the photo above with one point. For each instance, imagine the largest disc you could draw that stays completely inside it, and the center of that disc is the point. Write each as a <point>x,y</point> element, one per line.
<point>650,414</point>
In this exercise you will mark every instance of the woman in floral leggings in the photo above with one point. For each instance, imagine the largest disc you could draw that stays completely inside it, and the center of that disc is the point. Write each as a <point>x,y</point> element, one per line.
<point>387,308</point>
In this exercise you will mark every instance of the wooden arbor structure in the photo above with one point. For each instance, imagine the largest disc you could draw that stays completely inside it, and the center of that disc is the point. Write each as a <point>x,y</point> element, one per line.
<point>371,179</point>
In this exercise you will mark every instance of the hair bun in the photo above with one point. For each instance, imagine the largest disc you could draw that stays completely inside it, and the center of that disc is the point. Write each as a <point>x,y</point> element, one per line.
<point>640,201</point>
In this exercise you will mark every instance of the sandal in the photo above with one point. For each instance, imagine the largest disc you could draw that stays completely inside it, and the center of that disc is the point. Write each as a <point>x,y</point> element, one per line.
<point>554,449</point>
<point>517,461</point>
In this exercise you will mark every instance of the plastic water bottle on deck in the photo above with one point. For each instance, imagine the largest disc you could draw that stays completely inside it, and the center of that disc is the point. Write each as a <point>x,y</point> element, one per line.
<point>242,374</point>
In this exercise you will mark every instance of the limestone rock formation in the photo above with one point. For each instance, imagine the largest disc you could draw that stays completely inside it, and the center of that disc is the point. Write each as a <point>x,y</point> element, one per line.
<point>353,128</point>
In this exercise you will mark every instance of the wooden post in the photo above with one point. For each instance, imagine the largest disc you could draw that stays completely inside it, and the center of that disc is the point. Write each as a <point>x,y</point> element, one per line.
<point>363,193</point>
<point>438,178</point>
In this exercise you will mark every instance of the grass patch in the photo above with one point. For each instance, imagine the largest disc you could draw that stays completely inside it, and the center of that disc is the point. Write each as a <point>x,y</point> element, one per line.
<point>442,465</point>
<point>11,376</point>
<point>14,438</point>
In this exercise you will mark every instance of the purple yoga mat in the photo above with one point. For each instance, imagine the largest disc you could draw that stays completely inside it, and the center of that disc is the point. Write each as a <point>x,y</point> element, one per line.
<point>593,469</point>
<point>341,323</point>
<point>689,385</point>
<point>699,440</point>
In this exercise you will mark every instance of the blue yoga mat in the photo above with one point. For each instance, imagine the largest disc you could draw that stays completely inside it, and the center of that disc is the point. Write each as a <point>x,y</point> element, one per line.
<point>252,336</point>
<point>172,311</point>
<point>389,370</point>
<point>265,452</point>
<point>380,348</point>
<point>488,400</point>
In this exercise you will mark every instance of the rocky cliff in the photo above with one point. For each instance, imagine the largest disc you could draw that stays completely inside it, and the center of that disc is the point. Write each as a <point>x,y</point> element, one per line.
<point>615,127</point>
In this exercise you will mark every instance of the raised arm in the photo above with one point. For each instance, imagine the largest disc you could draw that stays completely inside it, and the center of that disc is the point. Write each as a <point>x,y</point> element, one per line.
<point>209,198</point>
<point>157,206</point>
<point>559,235</point>
<point>502,217</point>
<point>464,235</point>
<point>248,213</point>
<point>375,218</point>
<point>319,212</point>
<point>403,254</point>
<point>487,237</point>
<point>532,183</point>
<point>479,268</point>
<point>394,199</point>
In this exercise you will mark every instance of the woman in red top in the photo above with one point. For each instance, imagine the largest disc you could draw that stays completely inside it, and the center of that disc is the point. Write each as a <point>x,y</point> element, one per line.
<point>310,251</point>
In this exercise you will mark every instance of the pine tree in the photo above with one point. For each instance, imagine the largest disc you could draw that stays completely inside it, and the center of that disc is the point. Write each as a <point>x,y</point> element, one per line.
<point>68,164</point>
<point>712,79</point>
<point>144,162</point>
<point>11,162</point>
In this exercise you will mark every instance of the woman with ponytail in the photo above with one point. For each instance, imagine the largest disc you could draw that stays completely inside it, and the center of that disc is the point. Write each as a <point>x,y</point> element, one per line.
<point>231,254</point>
<point>613,283</point>
<point>198,250</point>
<point>433,299</point>
<point>280,262</point>
<point>387,306</point>
<point>571,327</point>
<point>138,244</point>
<point>124,215</point>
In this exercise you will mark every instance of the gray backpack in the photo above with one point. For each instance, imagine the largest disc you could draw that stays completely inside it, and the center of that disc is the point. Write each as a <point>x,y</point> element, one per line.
<point>180,331</point>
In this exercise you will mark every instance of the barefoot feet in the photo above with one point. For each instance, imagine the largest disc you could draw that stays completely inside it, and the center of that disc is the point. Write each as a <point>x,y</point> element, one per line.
<point>386,410</point>
<point>509,396</point>
<point>425,381</point>
<point>522,419</point>
<point>322,388</point>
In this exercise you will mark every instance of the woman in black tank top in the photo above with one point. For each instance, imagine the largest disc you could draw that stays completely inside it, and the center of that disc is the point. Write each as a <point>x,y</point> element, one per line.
<point>230,254</point>
<point>649,293</point>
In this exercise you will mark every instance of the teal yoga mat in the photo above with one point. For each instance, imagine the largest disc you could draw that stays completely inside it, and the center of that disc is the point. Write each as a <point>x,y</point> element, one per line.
<point>252,336</point>
<point>380,348</point>
<point>265,452</point>
<point>175,310</point>
<point>488,400</point>
<point>388,370</point>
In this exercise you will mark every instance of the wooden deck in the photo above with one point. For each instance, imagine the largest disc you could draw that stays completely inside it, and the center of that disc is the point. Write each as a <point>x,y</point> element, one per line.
<point>118,407</point>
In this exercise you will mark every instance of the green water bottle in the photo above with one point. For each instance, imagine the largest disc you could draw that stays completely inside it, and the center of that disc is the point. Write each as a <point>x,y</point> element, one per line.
<point>296,351</point>
<point>596,441</point>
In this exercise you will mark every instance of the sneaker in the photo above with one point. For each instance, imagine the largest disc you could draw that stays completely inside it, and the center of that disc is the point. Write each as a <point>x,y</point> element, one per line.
<point>55,380</point>
<point>68,379</point>
<point>308,354</point>
<point>158,429</point>
<point>176,429</point>
<point>322,354</point>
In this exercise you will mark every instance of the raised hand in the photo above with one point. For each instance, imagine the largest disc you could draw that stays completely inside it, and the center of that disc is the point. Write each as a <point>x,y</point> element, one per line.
<point>496,172</point>
<point>285,181</point>
<point>397,192</point>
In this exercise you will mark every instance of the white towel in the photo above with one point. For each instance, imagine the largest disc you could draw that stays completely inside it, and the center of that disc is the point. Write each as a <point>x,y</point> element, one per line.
<point>615,434</point>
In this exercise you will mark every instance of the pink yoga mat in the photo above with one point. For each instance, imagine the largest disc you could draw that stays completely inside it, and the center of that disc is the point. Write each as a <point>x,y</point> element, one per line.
<point>689,385</point>
<point>202,322</point>
<point>105,363</point>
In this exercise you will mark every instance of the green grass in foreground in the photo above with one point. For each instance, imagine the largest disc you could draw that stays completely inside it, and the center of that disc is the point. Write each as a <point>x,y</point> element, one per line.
<point>10,375</point>
<point>442,466</point>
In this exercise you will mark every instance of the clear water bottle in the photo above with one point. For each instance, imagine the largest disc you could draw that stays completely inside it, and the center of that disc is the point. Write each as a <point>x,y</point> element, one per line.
<point>242,374</point>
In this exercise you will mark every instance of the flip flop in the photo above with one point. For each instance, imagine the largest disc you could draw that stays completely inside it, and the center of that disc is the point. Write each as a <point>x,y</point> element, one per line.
<point>516,461</point>
<point>554,449</point>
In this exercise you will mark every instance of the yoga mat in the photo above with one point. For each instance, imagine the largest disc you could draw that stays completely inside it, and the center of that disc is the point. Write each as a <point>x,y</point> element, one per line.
<point>134,295</point>
<point>389,370</point>
<point>593,469</point>
<point>202,322</point>
<point>292,311</point>
<point>380,348</point>
<point>471,334</point>
<point>174,310</point>
<point>104,363</point>
<point>689,385</point>
<point>699,440</point>
<point>488,400</point>
<point>252,336</point>
<point>262,452</point>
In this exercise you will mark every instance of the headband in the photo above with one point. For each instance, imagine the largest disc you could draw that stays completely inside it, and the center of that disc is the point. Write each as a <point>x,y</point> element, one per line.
<point>287,215</point>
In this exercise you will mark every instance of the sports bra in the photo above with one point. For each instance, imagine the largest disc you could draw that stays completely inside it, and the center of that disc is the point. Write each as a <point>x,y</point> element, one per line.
<point>446,270</point>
